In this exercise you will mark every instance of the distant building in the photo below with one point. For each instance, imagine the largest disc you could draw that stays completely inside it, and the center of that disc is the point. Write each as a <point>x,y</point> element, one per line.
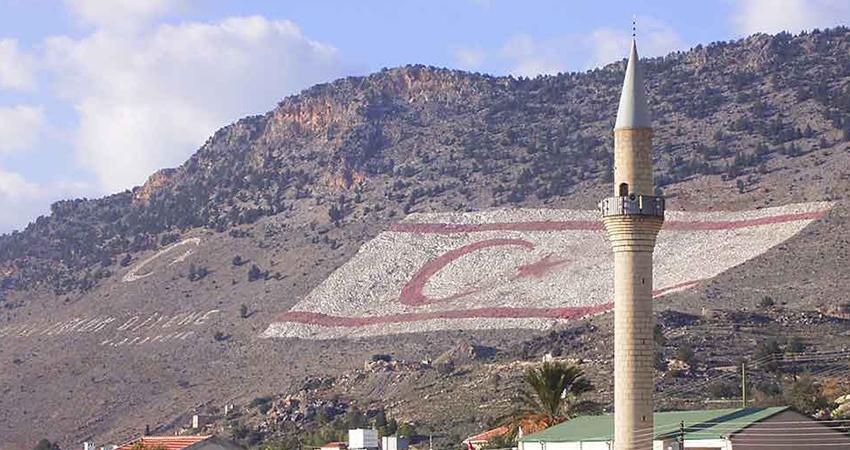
<point>182,443</point>
<point>394,443</point>
<point>361,439</point>
<point>778,428</point>
<point>480,440</point>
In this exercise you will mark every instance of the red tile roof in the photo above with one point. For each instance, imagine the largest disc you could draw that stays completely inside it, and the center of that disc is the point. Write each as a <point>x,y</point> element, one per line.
<point>167,442</point>
<point>487,435</point>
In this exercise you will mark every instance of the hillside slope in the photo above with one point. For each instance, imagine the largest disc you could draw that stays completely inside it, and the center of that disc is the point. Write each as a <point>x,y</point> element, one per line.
<point>763,121</point>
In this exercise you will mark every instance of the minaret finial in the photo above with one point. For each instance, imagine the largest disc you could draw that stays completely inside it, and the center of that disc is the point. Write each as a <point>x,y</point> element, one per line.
<point>634,26</point>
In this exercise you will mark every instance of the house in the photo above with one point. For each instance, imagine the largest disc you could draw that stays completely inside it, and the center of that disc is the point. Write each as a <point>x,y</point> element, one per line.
<point>395,443</point>
<point>181,443</point>
<point>776,428</point>
<point>480,440</point>
<point>362,439</point>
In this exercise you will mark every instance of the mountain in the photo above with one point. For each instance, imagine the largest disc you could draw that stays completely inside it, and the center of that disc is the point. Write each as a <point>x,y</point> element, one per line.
<point>283,199</point>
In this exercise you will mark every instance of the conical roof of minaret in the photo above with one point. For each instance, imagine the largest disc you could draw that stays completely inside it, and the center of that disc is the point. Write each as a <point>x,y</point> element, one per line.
<point>633,111</point>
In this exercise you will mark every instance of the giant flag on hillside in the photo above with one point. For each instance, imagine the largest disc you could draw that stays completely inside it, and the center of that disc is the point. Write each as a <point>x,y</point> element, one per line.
<point>517,268</point>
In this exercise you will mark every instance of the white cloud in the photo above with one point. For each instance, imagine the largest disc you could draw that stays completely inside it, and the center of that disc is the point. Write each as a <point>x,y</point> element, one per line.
<point>654,37</point>
<point>21,200</point>
<point>525,55</point>
<point>469,58</point>
<point>772,16</point>
<point>147,100</point>
<point>530,57</point>
<point>20,127</point>
<point>121,14</point>
<point>16,68</point>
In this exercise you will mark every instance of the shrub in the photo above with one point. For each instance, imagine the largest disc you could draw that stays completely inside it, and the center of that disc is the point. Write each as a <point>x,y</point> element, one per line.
<point>766,354</point>
<point>254,273</point>
<point>724,389</point>
<point>197,272</point>
<point>686,354</point>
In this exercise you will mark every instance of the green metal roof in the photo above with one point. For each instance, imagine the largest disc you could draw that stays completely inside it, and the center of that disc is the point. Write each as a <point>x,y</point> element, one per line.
<point>701,424</point>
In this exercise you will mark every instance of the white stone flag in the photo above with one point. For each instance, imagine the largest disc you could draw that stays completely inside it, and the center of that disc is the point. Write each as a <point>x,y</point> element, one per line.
<point>517,268</point>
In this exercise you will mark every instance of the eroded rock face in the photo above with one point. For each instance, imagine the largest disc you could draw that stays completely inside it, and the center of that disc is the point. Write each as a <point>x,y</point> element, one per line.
<point>156,182</point>
<point>840,311</point>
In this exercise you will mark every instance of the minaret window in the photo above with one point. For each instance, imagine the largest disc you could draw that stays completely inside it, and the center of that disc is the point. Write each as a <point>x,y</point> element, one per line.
<point>624,189</point>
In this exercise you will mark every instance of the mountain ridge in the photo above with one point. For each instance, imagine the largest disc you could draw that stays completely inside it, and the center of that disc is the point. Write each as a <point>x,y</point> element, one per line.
<point>758,122</point>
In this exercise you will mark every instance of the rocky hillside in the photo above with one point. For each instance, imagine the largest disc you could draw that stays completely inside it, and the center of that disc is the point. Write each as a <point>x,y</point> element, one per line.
<point>283,199</point>
<point>419,139</point>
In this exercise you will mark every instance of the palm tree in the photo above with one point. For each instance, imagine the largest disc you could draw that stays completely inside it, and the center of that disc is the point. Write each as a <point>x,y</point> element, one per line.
<point>551,396</point>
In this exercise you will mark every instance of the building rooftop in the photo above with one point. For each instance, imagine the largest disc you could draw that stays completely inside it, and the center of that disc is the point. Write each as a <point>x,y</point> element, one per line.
<point>487,435</point>
<point>701,424</point>
<point>634,110</point>
<point>167,442</point>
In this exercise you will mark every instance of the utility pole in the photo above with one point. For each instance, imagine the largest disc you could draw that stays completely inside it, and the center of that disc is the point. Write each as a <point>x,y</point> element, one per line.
<point>682,435</point>
<point>743,384</point>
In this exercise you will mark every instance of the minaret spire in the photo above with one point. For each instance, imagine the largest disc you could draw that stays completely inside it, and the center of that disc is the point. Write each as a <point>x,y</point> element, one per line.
<point>634,110</point>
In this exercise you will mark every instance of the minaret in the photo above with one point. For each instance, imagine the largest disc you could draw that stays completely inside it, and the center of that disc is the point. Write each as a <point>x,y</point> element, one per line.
<point>632,218</point>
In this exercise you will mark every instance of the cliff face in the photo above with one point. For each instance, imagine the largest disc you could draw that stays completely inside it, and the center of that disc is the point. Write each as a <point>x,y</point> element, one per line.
<point>421,138</point>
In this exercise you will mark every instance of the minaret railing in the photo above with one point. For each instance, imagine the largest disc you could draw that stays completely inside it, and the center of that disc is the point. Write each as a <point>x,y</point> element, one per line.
<point>632,205</point>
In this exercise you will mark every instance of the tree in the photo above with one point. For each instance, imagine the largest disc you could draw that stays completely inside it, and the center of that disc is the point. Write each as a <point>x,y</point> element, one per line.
<point>45,444</point>
<point>805,395</point>
<point>767,353</point>
<point>254,273</point>
<point>243,311</point>
<point>406,429</point>
<point>551,396</point>
<point>125,261</point>
<point>197,272</point>
<point>686,354</point>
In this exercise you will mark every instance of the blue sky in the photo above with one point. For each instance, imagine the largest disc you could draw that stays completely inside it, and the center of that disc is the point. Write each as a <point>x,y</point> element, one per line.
<point>95,95</point>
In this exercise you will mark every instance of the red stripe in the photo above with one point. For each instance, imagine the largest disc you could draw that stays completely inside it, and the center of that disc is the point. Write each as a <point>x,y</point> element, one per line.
<point>314,318</point>
<point>588,225</point>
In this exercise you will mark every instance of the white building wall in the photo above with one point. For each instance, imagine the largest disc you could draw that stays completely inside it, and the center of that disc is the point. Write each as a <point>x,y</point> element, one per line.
<point>714,444</point>
<point>565,446</point>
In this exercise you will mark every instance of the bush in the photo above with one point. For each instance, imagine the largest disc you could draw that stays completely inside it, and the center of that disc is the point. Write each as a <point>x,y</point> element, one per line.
<point>805,395</point>
<point>258,401</point>
<point>254,273</point>
<point>686,354</point>
<point>220,336</point>
<point>45,444</point>
<point>767,353</point>
<point>197,272</point>
<point>724,389</point>
<point>125,261</point>
<point>767,302</point>
<point>795,345</point>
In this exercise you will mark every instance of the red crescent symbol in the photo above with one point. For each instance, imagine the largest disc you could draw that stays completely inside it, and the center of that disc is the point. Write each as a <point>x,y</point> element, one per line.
<point>411,293</point>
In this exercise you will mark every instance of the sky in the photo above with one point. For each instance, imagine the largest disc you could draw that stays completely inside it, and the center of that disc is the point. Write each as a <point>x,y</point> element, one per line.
<point>96,95</point>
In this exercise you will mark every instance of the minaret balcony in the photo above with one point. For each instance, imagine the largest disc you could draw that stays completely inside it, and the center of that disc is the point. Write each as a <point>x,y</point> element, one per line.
<point>633,205</point>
